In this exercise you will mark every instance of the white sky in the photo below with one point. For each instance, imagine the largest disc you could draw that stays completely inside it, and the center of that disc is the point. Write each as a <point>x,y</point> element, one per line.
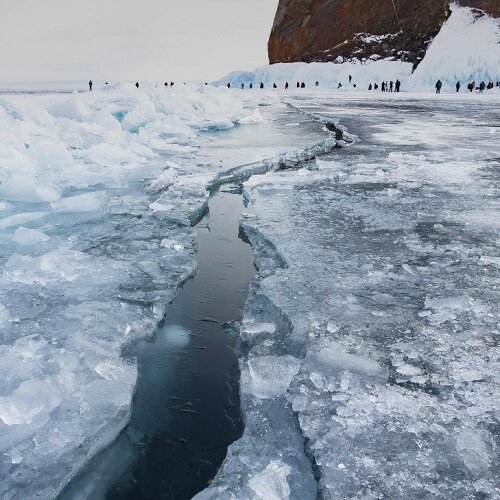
<point>62,40</point>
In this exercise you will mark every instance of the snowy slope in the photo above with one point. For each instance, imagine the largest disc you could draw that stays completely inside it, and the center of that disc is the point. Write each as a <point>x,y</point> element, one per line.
<point>467,48</point>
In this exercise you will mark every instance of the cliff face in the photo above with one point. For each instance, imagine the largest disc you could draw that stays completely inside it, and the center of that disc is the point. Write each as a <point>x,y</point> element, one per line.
<point>326,30</point>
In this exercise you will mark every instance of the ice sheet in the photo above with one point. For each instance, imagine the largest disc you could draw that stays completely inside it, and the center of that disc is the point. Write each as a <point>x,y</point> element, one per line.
<point>378,274</point>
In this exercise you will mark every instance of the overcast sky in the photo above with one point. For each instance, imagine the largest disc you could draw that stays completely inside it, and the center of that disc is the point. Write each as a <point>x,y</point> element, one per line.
<point>61,40</point>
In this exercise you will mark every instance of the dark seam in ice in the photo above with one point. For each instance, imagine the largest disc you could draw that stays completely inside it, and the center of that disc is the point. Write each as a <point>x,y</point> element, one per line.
<point>342,136</point>
<point>241,173</point>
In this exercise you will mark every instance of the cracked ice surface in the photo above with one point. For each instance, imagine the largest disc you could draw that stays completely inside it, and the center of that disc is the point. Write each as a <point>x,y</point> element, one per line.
<point>98,193</point>
<point>378,273</point>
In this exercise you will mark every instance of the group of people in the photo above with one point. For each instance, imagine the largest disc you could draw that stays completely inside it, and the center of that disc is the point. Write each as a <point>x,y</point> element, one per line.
<point>471,86</point>
<point>300,85</point>
<point>387,86</point>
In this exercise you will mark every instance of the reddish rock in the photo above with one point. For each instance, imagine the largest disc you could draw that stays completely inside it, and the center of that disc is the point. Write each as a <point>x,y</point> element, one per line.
<point>326,30</point>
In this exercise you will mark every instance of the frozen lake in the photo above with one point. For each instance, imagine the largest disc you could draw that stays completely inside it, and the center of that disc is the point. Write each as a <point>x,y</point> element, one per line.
<point>369,336</point>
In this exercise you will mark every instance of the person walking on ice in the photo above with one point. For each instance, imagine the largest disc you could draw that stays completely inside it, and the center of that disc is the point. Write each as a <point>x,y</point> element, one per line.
<point>90,85</point>
<point>439,84</point>
<point>458,86</point>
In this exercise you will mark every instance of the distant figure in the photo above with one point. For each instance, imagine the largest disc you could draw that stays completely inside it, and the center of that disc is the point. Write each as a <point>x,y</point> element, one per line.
<point>383,86</point>
<point>302,85</point>
<point>391,86</point>
<point>317,84</point>
<point>275,86</point>
<point>398,85</point>
<point>350,78</point>
<point>490,85</point>
<point>107,83</point>
<point>439,84</point>
<point>228,85</point>
<point>370,87</point>
<point>470,86</point>
<point>286,85</point>
<point>339,86</point>
<point>298,85</point>
<point>375,86</point>
<point>90,85</point>
<point>251,85</point>
<point>458,86</point>
<point>261,85</point>
<point>242,86</point>
<point>354,86</point>
<point>137,84</point>
<point>172,84</point>
<point>482,86</point>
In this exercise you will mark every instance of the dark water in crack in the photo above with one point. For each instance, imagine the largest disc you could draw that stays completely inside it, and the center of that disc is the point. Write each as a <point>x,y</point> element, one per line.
<point>186,410</point>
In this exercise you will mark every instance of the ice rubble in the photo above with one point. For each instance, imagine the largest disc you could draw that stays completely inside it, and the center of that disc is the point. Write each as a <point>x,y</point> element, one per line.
<point>94,191</point>
<point>375,278</point>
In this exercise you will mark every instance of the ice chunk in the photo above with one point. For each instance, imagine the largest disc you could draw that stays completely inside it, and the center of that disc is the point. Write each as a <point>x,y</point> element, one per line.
<point>32,399</point>
<point>88,202</point>
<point>337,359</point>
<point>22,218</point>
<point>255,117</point>
<point>25,236</point>
<point>270,376</point>
<point>473,447</point>
<point>271,484</point>
<point>163,181</point>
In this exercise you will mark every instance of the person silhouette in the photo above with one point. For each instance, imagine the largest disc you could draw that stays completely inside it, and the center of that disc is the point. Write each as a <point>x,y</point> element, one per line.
<point>90,85</point>
<point>137,84</point>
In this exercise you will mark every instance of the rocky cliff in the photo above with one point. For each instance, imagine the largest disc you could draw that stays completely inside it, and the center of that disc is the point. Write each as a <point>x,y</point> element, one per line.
<point>329,30</point>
